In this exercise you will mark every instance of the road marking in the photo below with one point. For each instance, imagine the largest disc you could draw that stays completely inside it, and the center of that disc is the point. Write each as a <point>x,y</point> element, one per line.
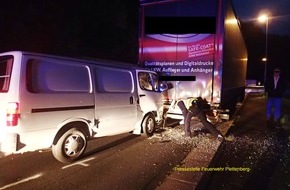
<point>180,180</point>
<point>21,181</point>
<point>82,163</point>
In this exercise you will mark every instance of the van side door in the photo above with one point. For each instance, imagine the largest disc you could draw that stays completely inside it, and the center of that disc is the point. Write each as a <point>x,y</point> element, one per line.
<point>115,100</point>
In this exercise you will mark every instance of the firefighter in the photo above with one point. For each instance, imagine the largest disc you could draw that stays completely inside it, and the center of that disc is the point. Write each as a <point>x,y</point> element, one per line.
<point>197,110</point>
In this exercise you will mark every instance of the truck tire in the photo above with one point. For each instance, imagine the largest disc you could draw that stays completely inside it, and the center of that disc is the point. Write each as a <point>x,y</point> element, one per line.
<point>149,125</point>
<point>70,146</point>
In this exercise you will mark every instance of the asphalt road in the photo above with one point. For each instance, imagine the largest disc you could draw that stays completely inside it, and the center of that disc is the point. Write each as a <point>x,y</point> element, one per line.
<point>119,162</point>
<point>135,162</point>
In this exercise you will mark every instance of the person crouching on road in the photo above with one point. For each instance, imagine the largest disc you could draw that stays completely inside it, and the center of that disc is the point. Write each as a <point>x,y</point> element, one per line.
<point>196,110</point>
<point>275,88</point>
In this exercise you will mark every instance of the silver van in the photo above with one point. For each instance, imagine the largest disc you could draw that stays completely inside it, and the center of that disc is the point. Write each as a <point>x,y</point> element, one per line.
<point>58,102</point>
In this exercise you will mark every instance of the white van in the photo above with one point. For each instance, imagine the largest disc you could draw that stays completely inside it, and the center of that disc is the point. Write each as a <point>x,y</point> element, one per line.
<point>58,102</point>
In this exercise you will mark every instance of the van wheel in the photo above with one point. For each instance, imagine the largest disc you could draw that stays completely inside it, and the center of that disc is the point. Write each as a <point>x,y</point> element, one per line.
<point>70,146</point>
<point>149,125</point>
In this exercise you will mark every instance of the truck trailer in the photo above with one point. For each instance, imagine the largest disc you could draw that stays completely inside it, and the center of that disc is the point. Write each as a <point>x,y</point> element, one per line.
<point>198,47</point>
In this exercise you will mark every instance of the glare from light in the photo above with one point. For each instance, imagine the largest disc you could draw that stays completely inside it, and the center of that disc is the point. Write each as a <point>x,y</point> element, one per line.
<point>244,59</point>
<point>231,21</point>
<point>263,18</point>
<point>264,59</point>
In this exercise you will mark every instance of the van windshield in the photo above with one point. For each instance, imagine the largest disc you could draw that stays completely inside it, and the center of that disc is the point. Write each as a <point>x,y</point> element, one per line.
<point>5,72</point>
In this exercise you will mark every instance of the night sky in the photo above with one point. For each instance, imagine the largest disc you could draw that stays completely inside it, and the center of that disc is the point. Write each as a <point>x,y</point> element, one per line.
<point>278,11</point>
<point>278,34</point>
<point>97,28</point>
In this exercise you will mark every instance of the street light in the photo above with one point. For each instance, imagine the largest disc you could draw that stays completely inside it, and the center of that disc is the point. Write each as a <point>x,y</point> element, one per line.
<point>265,19</point>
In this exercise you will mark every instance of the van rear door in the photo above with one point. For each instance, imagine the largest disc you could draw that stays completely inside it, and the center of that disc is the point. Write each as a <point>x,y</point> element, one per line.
<point>9,85</point>
<point>6,63</point>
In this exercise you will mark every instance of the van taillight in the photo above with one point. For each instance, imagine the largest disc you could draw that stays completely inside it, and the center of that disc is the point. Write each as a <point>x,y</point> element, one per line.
<point>12,114</point>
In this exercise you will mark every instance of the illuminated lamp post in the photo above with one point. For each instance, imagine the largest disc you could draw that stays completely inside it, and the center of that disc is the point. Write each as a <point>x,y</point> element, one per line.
<point>265,19</point>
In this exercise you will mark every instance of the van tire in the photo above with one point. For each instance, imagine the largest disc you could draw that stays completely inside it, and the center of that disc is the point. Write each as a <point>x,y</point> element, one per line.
<point>70,146</point>
<point>149,125</point>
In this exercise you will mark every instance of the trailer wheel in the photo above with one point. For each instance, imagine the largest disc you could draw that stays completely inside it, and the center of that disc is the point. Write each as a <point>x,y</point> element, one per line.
<point>70,146</point>
<point>149,125</point>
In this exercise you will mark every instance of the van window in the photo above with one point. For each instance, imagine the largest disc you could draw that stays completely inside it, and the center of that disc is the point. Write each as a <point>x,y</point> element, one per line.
<point>114,80</point>
<point>54,77</point>
<point>148,81</point>
<point>5,72</point>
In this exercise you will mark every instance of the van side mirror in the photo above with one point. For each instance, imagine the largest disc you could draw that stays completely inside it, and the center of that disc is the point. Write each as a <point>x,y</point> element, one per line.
<point>162,87</point>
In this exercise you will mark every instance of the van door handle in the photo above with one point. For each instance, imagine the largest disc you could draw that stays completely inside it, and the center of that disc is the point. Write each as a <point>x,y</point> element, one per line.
<point>141,95</point>
<point>131,100</point>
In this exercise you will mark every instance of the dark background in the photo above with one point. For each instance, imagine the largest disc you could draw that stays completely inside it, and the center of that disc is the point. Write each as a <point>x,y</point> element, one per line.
<point>108,29</point>
<point>278,51</point>
<point>94,28</point>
